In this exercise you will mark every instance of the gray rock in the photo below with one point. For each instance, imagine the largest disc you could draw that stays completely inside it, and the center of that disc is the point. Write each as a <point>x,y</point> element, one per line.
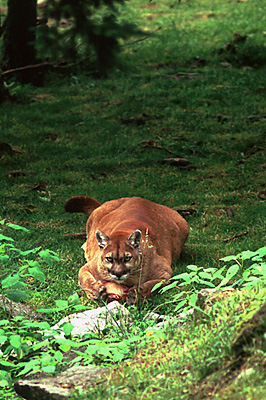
<point>60,387</point>
<point>19,309</point>
<point>94,320</point>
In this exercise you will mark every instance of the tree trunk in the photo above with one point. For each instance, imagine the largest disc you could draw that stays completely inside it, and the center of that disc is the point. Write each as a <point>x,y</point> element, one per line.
<point>4,94</point>
<point>19,35</point>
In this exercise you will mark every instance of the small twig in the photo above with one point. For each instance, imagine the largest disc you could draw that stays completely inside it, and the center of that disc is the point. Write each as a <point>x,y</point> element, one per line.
<point>185,211</point>
<point>253,151</point>
<point>180,75</point>
<point>163,148</point>
<point>253,118</point>
<point>236,236</point>
<point>141,39</point>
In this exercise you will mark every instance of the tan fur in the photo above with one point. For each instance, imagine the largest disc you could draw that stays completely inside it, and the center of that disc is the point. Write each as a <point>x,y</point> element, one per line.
<point>163,234</point>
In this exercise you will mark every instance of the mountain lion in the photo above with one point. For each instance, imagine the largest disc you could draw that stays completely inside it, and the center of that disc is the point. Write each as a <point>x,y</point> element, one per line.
<point>131,242</point>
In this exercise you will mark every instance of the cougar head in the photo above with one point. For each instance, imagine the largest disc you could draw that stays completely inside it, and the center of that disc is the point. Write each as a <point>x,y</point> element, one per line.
<point>120,255</point>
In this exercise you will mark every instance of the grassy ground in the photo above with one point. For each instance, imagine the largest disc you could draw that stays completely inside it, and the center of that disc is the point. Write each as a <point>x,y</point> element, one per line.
<point>195,90</point>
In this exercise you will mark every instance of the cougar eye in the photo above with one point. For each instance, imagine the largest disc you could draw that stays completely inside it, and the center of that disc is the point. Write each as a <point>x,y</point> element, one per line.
<point>109,259</point>
<point>127,258</point>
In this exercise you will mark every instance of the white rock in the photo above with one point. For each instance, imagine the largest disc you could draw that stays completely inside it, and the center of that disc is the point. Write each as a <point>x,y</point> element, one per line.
<point>93,320</point>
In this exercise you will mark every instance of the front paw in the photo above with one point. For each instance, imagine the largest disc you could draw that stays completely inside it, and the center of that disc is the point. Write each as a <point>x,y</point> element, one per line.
<point>134,295</point>
<point>97,291</point>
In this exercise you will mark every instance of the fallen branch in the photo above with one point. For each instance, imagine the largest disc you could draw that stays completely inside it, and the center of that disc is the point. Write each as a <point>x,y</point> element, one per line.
<point>236,236</point>
<point>27,67</point>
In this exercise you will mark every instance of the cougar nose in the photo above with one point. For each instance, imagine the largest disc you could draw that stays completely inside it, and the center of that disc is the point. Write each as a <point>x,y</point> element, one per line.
<point>118,272</point>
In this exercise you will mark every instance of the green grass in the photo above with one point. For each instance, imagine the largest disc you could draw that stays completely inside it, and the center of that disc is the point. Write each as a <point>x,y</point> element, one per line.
<point>82,135</point>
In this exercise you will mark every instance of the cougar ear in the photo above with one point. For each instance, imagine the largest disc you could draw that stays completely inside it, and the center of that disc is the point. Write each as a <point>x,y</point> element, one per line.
<point>134,238</point>
<point>101,238</point>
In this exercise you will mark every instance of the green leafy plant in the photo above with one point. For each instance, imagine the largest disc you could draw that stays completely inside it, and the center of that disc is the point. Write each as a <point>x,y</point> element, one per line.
<point>246,269</point>
<point>28,347</point>
<point>25,265</point>
<point>251,265</point>
<point>18,335</point>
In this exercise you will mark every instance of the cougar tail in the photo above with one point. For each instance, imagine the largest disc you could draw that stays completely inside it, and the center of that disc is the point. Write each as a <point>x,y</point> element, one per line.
<point>84,204</point>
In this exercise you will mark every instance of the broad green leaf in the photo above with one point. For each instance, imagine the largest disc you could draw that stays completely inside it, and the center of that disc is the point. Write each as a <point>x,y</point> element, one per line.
<point>4,383</point>
<point>19,285</point>
<point>49,369</point>
<point>58,356</point>
<point>41,344</point>
<point>17,227</point>
<point>246,255</point>
<point>168,287</point>
<point>64,347</point>
<point>44,325</point>
<point>37,273</point>
<point>252,281</point>
<point>176,297</point>
<point>157,286</point>
<point>3,339</point>
<point>246,274</point>
<point>218,274</point>
<point>5,379</point>
<point>228,258</point>
<point>194,267</point>
<point>184,276</point>
<point>49,256</point>
<point>205,275</point>
<point>261,252</point>
<point>180,305</point>
<point>73,300</point>
<point>71,343</point>
<point>27,252</point>
<point>232,271</point>
<point>6,363</point>
<point>210,270</point>
<point>4,322</point>
<point>68,328</point>
<point>15,341</point>
<point>16,295</point>
<point>193,299</point>
<point>3,237</point>
<point>10,281</point>
<point>207,283</point>
<point>61,303</point>
<point>223,283</point>
<point>31,366</point>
